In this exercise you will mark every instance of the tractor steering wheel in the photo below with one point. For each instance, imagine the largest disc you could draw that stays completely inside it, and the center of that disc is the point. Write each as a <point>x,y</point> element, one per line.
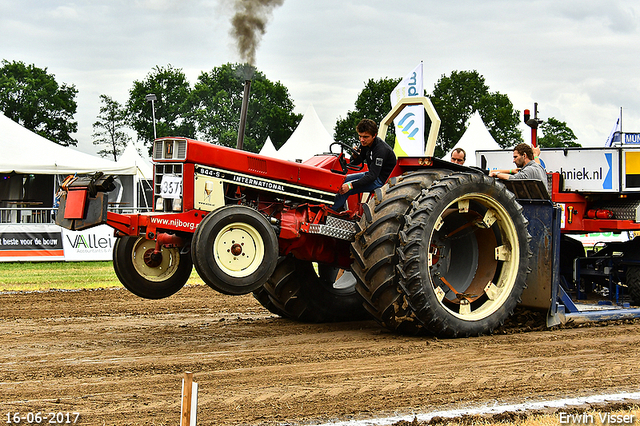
<point>341,157</point>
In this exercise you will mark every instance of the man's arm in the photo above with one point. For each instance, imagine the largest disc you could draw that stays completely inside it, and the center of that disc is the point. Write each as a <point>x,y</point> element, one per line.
<point>379,155</point>
<point>357,156</point>
<point>503,174</point>
<point>536,154</point>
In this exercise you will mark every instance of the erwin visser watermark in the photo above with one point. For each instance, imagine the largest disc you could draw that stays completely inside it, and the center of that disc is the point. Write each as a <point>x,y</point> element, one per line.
<point>590,419</point>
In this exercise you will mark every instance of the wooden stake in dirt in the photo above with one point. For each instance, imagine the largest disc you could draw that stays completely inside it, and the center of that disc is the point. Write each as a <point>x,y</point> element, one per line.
<point>188,416</point>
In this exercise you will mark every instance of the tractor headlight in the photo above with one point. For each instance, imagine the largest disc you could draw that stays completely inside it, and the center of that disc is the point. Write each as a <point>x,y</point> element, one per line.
<point>159,204</point>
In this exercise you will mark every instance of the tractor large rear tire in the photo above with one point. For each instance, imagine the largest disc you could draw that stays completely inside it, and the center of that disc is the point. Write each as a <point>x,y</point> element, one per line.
<point>464,256</point>
<point>297,291</point>
<point>375,249</point>
<point>145,276</point>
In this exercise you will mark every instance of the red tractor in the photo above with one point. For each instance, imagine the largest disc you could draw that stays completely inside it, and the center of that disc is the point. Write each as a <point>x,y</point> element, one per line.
<point>440,248</point>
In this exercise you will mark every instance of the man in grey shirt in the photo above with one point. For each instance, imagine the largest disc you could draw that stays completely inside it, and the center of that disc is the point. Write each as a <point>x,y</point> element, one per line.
<point>527,167</point>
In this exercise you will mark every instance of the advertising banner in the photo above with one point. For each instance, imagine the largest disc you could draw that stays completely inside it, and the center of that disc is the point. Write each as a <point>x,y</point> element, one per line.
<point>409,125</point>
<point>30,243</point>
<point>50,242</point>
<point>632,138</point>
<point>90,244</point>
<point>600,238</point>
<point>592,170</point>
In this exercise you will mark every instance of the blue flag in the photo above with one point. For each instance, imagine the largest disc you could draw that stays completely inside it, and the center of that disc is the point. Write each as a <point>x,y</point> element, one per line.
<point>614,136</point>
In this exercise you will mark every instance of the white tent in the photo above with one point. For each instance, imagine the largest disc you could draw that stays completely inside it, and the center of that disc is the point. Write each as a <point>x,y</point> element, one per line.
<point>24,151</point>
<point>131,157</point>
<point>475,138</point>
<point>309,138</point>
<point>141,183</point>
<point>269,149</point>
<point>33,168</point>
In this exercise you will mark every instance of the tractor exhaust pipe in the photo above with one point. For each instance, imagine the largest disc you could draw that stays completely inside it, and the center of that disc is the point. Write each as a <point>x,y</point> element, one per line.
<point>243,114</point>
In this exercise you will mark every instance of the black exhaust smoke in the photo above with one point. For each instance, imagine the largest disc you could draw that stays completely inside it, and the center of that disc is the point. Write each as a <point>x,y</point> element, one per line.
<point>249,24</point>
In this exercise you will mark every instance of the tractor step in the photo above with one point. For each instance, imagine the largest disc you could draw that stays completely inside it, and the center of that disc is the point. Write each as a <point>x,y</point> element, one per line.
<point>335,228</point>
<point>623,210</point>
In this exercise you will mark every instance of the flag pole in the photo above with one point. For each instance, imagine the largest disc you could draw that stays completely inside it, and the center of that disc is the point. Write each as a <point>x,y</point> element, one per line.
<point>620,123</point>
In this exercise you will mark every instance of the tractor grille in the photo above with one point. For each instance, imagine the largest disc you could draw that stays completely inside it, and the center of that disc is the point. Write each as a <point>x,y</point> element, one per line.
<point>335,228</point>
<point>170,149</point>
<point>258,165</point>
<point>160,171</point>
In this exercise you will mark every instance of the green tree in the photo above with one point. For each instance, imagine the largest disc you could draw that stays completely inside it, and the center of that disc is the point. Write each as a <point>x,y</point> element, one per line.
<point>172,109</point>
<point>31,97</point>
<point>108,128</point>
<point>556,134</point>
<point>374,102</point>
<point>457,96</point>
<point>216,103</point>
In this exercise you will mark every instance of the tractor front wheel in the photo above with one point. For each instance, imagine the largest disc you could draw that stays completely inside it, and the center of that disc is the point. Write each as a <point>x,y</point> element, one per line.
<point>235,250</point>
<point>149,275</point>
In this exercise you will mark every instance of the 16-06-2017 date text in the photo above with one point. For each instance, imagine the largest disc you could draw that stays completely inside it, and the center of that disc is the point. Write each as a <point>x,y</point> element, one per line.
<point>40,417</point>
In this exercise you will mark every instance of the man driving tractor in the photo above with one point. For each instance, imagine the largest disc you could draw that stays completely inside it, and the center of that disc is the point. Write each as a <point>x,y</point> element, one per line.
<point>378,156</point>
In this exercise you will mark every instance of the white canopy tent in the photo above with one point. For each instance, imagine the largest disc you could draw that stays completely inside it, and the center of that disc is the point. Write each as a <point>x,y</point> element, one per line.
<point>475,138</point>
<point>142,182</point>
<point>269,149</point>
<point>309,138</point>
<point>131,157</point>
<point>24,151</point>
<point>32,168</point>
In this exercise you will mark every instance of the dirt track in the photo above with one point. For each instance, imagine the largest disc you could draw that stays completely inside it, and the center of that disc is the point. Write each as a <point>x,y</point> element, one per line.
<point>119,360</point>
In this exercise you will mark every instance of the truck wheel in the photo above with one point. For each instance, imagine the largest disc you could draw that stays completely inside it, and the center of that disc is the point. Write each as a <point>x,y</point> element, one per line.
<point>297,291</point>
<point>375,249</point>
<point>632,278</point>
<point>147,277</point>
<point>465,256</point>
<point>234,250</point>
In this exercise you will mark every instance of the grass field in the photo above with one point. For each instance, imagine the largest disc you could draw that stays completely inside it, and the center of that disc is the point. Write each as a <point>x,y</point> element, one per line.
<point>35,276</point>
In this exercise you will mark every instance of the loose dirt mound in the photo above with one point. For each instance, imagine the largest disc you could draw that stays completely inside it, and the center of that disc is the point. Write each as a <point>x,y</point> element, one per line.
<point>119,360</point>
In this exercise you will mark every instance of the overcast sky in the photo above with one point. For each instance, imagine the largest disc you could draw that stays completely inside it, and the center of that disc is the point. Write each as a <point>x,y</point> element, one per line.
<point>580,60</point>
